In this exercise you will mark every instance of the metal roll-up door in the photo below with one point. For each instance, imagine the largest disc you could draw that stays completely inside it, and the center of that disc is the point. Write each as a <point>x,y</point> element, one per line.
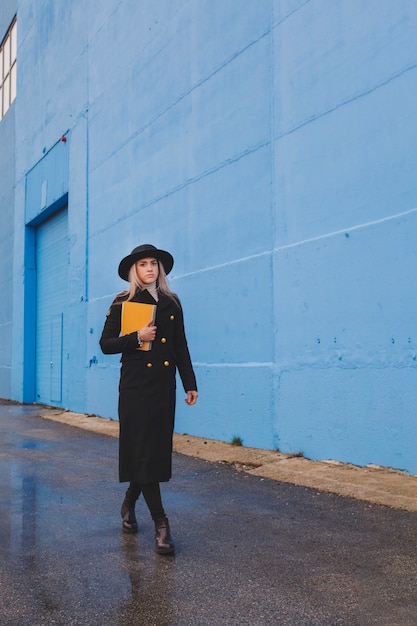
<point>51,305</point>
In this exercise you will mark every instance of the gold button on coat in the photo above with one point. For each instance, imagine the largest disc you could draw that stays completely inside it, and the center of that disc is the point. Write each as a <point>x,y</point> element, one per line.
<point>166,363</point>
<point>171,317</point>
<point>149,365</point>
<point>163,340</point>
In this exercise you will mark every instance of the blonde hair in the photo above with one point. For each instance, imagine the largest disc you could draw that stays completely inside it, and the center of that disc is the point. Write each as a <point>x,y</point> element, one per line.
<point>136,283</point>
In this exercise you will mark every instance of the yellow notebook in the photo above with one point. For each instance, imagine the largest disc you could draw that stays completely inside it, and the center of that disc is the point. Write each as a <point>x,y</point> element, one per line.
<point>135,315</point>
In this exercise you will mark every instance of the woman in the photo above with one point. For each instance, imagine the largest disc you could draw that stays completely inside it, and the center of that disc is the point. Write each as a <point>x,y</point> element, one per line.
<point>147,385</point>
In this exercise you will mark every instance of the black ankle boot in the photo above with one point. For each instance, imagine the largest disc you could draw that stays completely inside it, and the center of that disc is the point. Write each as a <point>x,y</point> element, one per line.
<point>163,539</point>
<point>130,524</point>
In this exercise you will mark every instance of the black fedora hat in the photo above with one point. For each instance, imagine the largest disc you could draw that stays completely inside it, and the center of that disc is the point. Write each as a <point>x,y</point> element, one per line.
<point>142,252</point>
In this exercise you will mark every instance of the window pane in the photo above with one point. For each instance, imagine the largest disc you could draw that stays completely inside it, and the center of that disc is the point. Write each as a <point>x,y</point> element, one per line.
<point>13,42</point>
<point>13,83</point>
<point>6,52</point>
<point>1,65</point>
<point>1,103</point>
<point>6,95</point>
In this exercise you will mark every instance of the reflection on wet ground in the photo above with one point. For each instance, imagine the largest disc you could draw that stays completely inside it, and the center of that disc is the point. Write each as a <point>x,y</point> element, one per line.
<point>249,551</point>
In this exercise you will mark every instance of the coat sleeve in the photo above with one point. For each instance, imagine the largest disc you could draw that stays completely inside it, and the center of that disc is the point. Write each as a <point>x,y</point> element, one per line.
<point>110,341</point>
<point>183,358</point>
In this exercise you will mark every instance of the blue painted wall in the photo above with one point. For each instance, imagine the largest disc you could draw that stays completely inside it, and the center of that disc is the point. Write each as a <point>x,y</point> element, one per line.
<point>344,258</point>
<point>7,203</point>
<point>6,247</point>
<point>270,147</point>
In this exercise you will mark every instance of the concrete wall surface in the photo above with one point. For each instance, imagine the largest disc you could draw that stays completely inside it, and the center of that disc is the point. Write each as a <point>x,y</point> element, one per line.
<point>7,179</point>
<point>269,145</point>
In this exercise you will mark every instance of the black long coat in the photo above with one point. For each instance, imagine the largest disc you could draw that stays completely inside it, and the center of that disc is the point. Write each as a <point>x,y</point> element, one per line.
<point>147,388</point>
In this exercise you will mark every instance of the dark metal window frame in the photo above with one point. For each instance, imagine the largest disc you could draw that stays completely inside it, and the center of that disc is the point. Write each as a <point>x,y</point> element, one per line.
<point>8,55</point>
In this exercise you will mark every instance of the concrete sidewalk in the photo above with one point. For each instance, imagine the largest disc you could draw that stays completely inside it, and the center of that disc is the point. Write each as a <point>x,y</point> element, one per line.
<point>372,484</point>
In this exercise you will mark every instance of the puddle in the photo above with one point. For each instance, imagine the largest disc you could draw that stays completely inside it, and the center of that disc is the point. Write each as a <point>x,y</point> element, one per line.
<point>30,444</point>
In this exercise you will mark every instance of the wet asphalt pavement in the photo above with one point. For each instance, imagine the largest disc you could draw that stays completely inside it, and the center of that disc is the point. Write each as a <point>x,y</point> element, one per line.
<point>250,551</point>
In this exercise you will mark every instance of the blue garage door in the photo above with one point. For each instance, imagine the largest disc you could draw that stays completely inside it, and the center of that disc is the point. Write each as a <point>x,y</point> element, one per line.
<point>51,305</point>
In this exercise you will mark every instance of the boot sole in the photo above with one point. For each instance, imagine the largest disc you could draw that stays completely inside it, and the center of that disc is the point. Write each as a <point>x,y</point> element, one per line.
<point>130,530</point>
<point>165,550</point>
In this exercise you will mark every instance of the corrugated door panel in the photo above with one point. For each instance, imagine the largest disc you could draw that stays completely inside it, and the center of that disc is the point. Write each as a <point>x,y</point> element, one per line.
<point>56,357</point>
<point>51,306</point>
